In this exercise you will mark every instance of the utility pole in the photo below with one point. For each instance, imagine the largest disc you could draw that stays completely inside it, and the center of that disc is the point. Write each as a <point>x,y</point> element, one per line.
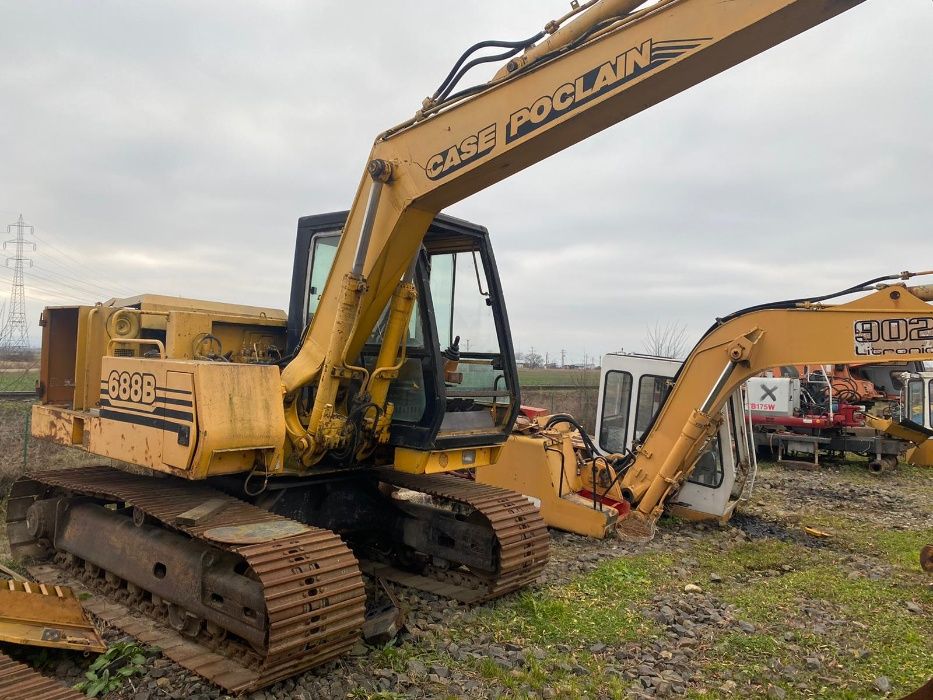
<point>14,338</point>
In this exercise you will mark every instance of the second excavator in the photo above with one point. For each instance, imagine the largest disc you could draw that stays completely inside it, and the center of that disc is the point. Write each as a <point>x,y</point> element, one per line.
<point>689,419</point>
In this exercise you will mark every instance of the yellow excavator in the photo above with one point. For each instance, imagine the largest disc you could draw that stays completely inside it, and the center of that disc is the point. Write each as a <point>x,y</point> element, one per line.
<point>886,322</point>
<point>274,457</point>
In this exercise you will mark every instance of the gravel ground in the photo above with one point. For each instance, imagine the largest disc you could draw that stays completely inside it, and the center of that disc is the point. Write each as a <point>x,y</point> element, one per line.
<point>451,650</point>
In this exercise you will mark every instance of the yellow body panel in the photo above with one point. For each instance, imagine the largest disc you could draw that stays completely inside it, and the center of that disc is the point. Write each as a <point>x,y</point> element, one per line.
<point>62,425</point>
<point>525,466</point>
<point>419,462</point>
<point>922,455</point>
<point>187,418</point>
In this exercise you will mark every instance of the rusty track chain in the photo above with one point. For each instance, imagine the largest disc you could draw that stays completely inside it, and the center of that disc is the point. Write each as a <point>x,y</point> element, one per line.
<point>313,588</point>
<point>19,681</point>
<point>521,533</point>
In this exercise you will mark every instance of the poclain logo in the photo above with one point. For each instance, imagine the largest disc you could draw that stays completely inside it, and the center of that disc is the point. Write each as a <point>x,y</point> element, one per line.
<point>594,83</point>
<point>605,78</point>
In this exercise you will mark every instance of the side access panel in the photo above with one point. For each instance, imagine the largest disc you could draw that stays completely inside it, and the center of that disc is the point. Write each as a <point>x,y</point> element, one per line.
<point>144,419</point>
<point>187,418</point>
<point>177,397</point>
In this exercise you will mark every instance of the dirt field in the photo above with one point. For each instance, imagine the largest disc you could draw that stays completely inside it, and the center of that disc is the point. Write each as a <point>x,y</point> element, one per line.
<point>753,609</point>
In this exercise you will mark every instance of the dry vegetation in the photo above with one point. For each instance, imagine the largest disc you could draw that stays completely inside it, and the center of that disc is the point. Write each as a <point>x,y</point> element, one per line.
<point>19,455</point>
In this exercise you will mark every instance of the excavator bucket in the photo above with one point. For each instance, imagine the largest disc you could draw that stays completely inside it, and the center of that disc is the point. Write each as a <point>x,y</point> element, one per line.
<point>921,453</point>
<point>904,430</point>
<point>45,615</point>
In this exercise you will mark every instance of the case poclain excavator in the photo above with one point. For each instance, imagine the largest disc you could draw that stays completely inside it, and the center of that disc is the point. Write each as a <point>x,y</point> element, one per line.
<point>267,454</point>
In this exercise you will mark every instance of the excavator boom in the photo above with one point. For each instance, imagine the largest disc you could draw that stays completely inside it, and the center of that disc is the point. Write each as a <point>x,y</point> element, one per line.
<point>603,67</point>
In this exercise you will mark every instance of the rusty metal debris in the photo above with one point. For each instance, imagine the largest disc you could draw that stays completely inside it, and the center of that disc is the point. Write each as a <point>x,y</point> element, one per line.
<point>521,539</point>
<point>385,619</point>
<point>18,681</point>
<point>45,615</point>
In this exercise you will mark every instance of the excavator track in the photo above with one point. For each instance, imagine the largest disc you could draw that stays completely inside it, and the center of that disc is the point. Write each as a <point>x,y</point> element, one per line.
<point>19,681</point>
<point>310,581</point>
<point>521,535</point>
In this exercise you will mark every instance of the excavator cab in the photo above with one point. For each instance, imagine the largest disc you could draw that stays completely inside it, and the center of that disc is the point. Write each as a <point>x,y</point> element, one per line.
<point>458,384</point>
<point>632,390</point>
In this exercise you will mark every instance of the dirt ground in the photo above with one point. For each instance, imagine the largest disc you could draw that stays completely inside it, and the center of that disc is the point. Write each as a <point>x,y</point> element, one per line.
<point>755,608</point>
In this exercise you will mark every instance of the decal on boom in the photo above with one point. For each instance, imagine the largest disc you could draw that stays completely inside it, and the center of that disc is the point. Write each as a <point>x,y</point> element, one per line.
<point>894,336</point>
<point>596,82</point>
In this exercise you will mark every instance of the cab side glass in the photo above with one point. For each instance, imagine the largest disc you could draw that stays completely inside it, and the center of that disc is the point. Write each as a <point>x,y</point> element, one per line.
<point>915,408</point>
<point>323,252</point>
<point>613,424</point>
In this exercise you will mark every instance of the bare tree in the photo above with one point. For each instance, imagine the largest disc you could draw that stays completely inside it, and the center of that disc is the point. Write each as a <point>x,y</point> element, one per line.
<point>667,340</point>
<point>533,360</point>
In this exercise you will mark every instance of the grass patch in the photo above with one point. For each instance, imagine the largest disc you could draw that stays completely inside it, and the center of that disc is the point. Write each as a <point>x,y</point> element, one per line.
<point>864,614</point>
<point>597,607</point>
<point>761,555</point>
<point>14,565</point>
<point>900,548</point>
<point>558,377</point>
<point>589,678</point>
<point>18,381</point>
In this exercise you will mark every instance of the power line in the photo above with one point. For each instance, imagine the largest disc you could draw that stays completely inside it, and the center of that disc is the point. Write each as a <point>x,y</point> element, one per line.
<point>86,290</point>
<point>69,263</point>
<point>56,284</point>
<point>14,338</point>
<point>72,282</point>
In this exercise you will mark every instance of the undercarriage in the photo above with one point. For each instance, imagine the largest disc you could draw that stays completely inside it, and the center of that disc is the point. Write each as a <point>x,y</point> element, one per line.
<point>272,595</point>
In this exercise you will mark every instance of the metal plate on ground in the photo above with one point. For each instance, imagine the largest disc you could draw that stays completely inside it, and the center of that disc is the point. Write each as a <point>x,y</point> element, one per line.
<point>254,533</point>
<point>45,615</point>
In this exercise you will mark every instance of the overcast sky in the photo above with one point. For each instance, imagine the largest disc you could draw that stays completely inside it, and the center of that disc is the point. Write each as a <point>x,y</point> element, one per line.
<point>170,147</point>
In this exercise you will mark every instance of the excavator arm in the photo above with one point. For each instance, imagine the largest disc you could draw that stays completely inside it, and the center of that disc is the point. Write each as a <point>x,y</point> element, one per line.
<point>892,322</point>
<point>601,64</point>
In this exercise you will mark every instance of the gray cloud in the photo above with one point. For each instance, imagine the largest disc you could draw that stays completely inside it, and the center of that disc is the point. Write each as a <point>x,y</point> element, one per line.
<point>170,147</point>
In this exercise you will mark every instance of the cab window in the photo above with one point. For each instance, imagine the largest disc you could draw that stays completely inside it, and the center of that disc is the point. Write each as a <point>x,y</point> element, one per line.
<point>708,470</point>
<point>915,408</point>
<point>613,424</point>
<point>323,252</point>
<point>652,391</point>
<point>462,310</point>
